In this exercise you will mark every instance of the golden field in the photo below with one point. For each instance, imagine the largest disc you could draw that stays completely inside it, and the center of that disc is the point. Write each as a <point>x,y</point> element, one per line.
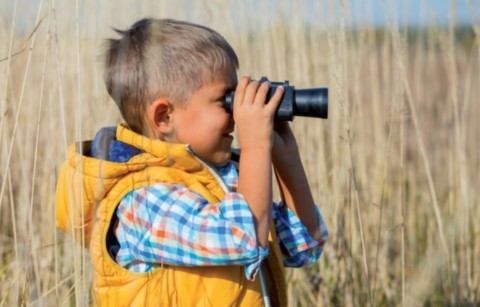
<point>395,169</point>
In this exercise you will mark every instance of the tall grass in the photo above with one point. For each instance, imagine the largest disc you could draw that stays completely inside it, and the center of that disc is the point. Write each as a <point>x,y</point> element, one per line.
<point>395,168</point>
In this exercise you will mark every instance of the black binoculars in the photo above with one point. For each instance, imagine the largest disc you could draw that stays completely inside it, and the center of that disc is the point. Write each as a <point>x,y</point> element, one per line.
<point>311,102</point>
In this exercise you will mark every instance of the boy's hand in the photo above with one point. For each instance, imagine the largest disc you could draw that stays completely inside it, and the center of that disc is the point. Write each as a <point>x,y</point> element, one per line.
<point>254,117</point>
<point>254,120</point>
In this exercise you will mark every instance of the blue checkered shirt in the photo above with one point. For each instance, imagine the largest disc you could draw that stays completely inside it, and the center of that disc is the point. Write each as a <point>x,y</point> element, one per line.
<point>170,224</point>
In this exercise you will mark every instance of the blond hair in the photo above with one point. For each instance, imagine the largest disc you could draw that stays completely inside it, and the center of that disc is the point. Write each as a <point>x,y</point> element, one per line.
<point>162,58</point>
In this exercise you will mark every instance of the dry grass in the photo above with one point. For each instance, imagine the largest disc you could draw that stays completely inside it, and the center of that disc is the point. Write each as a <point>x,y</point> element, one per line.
<point>395,168</point>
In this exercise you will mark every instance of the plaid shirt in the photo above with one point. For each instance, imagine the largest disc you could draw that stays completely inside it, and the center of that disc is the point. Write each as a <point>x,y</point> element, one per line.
<point>170,224</point>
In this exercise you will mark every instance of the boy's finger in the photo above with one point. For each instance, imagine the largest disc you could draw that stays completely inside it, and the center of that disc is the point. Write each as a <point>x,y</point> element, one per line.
<point>276,99</point>
<point>261,96</point>
<point>240,91</point>
<point>251,92</point>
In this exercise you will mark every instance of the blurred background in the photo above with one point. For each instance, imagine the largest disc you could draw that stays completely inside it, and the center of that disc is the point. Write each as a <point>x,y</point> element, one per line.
<point>394,169</point>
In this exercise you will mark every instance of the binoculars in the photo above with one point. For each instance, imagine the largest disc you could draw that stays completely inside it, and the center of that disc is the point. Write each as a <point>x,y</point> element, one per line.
<point>311,102</point>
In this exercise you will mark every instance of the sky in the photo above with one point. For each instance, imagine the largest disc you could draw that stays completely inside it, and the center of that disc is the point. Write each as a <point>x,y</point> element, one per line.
<point>364,13</point>
<point>415,12</point>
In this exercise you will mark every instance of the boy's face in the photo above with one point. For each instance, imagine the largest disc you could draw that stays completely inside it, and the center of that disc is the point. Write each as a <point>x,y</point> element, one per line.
<point>203,122</point>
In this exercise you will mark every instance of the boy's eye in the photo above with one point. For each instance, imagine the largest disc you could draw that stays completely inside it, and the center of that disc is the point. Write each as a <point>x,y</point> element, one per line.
<point>221,100</point>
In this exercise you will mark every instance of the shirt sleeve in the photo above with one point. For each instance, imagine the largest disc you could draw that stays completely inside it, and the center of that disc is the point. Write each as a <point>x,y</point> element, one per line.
<point>171,224</point>
<point>297,246</point>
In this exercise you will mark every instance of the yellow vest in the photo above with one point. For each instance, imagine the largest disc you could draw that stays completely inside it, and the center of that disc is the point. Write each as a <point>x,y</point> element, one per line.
<point>86,185</point>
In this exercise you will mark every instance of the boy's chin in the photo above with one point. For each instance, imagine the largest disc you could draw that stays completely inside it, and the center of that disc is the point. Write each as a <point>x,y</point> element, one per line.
<point>220,159</point>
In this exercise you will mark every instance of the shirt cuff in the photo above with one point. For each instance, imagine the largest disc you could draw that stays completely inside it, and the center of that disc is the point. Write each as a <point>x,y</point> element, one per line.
<point>251,270</point>
<point>298,246</point>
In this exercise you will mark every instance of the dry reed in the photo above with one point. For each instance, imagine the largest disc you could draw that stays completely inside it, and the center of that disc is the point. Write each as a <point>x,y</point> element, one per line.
<point>394,168</point>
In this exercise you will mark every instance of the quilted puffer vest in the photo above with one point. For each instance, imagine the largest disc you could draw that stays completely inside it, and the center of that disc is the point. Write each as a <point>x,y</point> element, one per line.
<point>88,185</point>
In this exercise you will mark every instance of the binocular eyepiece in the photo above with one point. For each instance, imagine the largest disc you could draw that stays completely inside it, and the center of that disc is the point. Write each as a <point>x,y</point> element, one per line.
<point>311,102</point>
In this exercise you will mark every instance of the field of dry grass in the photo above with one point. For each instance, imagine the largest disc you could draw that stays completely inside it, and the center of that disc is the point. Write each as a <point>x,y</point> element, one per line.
<point>395,169</point>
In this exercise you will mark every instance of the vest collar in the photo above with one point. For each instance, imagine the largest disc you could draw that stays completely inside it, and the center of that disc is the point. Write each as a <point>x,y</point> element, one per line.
<point>168,154</point>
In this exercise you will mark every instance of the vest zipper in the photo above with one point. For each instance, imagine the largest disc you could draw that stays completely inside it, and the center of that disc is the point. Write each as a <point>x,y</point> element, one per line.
<point>212,170</point>
<point>266,299</point>
<point>225,188</point>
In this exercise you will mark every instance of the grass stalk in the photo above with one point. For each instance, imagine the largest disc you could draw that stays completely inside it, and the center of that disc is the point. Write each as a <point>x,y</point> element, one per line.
<point>49,291</point>
<point>20,102</point>
<point>344,107</point>
<point>82,297</point>
<point>35,155</point>
<point>63,125</point>
<point>4,99</point>
<point>359,216</point>
<point>17,270</point>
<point>29,247</point>
<point>398,45</point>
<point>402,191</point>
<point>384,179</point>
<point>3,102</point>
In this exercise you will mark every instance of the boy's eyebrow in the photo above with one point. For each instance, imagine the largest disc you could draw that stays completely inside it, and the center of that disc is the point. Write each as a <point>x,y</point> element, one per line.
<point>222,91</point>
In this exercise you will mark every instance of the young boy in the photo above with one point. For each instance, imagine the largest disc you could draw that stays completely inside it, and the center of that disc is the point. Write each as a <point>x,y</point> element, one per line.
<point>176,224</point>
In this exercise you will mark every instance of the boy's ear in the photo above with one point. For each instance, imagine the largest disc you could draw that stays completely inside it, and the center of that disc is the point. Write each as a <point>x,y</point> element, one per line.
<point>159,115</point>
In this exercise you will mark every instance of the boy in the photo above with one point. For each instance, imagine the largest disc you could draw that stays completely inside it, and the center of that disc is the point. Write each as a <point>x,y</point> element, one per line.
<point>175,223</point>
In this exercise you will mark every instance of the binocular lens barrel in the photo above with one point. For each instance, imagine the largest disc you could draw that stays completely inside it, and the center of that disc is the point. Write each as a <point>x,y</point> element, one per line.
<point>312,102</point>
